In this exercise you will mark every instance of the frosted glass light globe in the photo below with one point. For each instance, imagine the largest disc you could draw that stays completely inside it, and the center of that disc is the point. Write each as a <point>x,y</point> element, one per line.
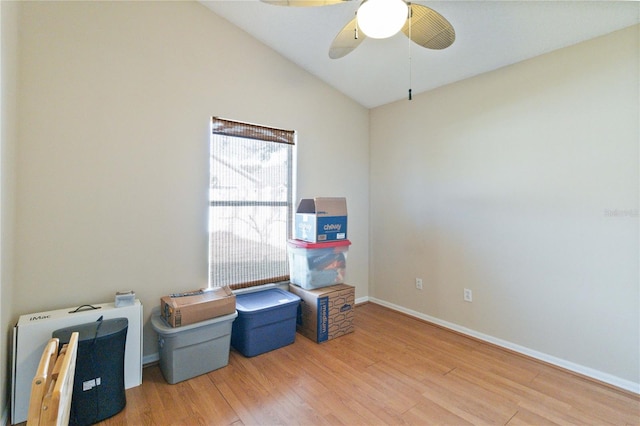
<point>382,18</point>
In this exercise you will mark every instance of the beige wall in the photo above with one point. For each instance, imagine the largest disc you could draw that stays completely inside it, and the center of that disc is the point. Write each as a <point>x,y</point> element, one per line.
<point>8,76</point>
<point>522,185</point>
<point>115,104</point>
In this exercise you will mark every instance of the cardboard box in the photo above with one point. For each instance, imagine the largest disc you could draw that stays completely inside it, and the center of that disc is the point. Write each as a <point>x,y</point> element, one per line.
<point>198,305</point>
<point>321,219</point>
<point>325,313</point>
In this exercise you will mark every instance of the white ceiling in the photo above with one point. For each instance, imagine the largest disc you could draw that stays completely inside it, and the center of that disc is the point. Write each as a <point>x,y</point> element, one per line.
<point>489,35</point>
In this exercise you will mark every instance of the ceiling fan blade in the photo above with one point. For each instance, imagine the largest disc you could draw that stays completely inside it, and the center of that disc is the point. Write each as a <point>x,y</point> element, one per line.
<point>346,40</point>
<point>428,28</point>
<point>303,2</point>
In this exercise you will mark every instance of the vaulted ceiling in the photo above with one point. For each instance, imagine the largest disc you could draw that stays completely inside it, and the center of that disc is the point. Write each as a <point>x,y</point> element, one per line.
<point>489,35</point>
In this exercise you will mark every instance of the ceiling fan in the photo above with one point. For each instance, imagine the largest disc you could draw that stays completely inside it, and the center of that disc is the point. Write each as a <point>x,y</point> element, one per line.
<point>382,19</point>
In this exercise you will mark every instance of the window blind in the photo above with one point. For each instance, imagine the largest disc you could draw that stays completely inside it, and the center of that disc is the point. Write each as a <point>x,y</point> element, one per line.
<point>251,203</point>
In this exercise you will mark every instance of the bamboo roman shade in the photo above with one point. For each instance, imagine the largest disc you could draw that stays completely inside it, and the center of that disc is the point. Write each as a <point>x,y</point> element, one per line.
<point>251,203</point>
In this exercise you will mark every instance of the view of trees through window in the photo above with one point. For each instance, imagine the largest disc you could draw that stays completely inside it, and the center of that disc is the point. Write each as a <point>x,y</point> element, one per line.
<point>250,210</point>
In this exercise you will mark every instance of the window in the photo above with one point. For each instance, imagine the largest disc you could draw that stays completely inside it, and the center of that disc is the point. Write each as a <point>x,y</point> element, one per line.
<point>251,203</point>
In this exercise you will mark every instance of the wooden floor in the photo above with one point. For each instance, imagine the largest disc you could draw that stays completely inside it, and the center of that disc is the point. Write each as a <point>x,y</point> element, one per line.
<point>392,370</point>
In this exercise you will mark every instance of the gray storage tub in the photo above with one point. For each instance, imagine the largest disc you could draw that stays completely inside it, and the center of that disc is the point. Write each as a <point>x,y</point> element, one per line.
<point>194,349</point>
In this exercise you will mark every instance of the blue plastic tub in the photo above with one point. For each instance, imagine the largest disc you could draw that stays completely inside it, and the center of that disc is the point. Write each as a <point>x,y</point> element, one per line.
<point>266,321</point>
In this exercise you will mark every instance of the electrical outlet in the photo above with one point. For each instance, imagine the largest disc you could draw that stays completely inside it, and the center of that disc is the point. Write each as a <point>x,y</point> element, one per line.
<point>419,283</point>
<point>468,295</point>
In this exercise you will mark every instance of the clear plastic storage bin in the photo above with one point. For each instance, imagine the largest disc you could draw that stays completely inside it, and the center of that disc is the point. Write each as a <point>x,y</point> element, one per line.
<point>315,265</point>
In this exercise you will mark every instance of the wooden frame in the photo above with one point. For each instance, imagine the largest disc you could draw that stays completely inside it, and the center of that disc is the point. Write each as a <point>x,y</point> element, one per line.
<point>52,387</point>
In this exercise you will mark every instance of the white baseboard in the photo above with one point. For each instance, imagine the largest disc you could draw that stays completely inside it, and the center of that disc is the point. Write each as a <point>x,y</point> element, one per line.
<point>362,300</point>
<point>559,362</point>
<point>150,359</point>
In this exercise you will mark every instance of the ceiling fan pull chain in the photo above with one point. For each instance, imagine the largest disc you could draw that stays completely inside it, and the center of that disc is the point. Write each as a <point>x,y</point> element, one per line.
<point>410,16</point>
<point>355,28</point>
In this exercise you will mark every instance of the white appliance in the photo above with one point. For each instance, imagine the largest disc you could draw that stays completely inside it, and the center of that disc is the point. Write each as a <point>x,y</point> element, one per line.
<point>33,331</point>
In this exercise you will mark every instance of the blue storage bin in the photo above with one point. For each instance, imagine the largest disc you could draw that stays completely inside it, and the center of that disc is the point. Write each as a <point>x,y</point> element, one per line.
<point>266,321</point>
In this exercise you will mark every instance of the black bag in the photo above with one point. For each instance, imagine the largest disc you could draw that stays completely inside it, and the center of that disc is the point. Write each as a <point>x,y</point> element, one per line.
<point>98,387</point>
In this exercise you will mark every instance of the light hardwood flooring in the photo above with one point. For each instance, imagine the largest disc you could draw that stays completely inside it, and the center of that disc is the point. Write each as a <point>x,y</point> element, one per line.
<point>392,370</point>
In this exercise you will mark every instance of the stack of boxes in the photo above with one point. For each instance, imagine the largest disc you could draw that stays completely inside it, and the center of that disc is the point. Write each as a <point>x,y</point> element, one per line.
<point>196,328</point>
<point>317,262</point>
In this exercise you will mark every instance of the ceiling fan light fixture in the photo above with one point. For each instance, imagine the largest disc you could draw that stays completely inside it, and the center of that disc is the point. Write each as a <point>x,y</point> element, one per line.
<point>382,18</point>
